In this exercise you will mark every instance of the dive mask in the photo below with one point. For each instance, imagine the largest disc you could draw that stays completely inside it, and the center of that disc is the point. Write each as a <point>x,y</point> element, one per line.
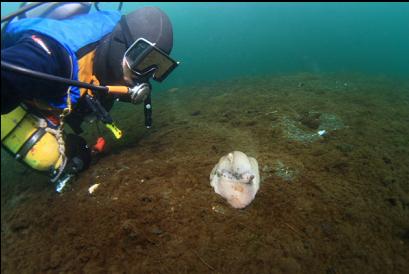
<point>143,58</point>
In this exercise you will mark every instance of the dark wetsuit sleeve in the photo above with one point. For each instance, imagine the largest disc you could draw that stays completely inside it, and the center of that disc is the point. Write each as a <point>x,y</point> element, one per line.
<point>27,53</point>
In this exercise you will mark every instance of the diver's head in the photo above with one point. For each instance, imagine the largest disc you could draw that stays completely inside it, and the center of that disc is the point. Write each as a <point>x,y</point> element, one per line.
<point>136,50</point>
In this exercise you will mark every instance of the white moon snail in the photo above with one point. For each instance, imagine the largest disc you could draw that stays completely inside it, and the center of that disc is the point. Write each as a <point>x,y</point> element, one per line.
<point>236,178</point>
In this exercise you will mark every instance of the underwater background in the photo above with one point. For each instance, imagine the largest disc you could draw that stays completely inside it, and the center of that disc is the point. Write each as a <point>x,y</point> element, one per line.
<point>216,41</point>
<point>318,93</point>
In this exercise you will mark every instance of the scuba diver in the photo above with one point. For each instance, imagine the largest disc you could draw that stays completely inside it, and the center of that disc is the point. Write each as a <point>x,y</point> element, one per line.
<point>62,63</point>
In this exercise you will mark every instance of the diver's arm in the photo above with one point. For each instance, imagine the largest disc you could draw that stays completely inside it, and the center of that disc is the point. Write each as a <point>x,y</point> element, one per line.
<point>28,53</point>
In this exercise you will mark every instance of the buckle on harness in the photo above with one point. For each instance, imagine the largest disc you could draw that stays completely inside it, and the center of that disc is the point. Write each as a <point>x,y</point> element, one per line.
<point>116,131</point>
<point>103,115</point>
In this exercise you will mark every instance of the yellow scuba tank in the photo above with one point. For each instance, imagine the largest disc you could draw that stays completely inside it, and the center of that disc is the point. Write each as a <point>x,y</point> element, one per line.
<point>24,138</point>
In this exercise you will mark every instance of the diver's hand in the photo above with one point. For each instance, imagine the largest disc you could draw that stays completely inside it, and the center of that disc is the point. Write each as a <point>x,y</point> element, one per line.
<point>139,93</point>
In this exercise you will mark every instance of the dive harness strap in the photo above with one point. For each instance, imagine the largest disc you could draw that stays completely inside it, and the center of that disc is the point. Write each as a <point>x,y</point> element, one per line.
<point>37,135</point>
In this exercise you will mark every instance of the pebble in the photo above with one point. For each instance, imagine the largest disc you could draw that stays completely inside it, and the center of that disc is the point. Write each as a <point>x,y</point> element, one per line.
<point>93,188</point>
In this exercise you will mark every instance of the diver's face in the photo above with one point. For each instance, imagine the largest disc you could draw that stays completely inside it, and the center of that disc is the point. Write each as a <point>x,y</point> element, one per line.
<point>130,78</point>
<point>127,74</point>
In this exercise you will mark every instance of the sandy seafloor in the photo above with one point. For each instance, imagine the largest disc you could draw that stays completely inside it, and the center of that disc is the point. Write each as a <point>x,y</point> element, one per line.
<point>337,203</point>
